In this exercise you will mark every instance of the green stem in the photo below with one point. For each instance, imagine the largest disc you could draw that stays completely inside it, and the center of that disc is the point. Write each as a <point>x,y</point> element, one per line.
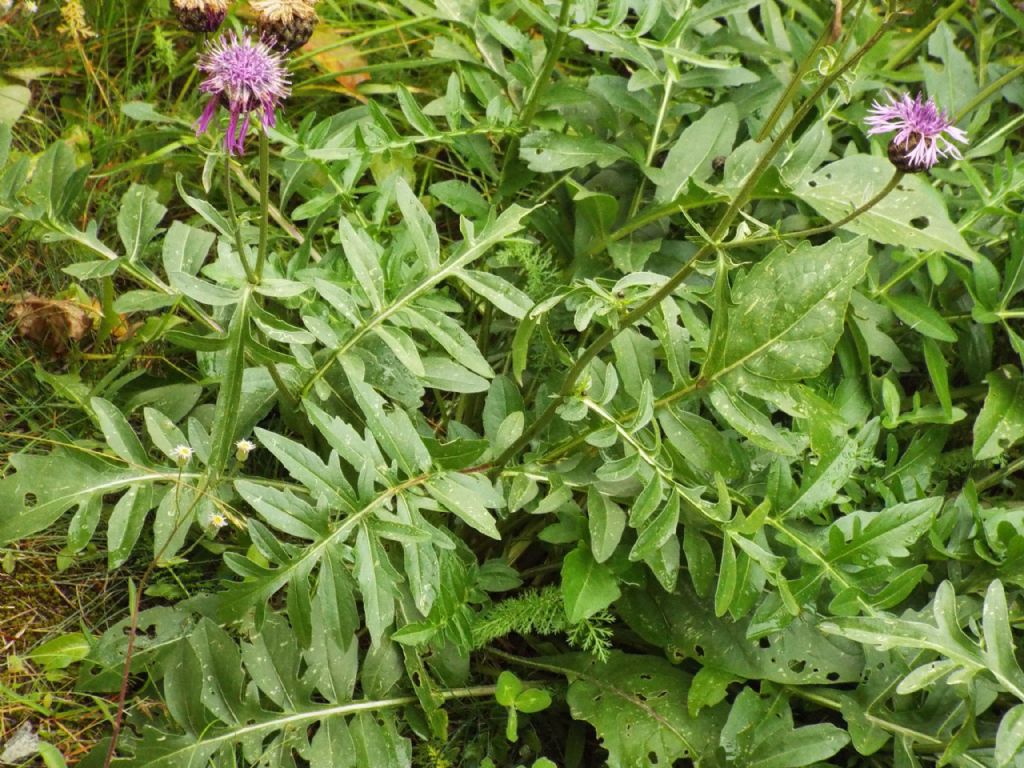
<point>533,98</point>
<point>229,396</point>
<point>652,148</point>
<point>923,34</point>
<point>826,36</point>
<point>999,475</point>
<point>794,84</point>
<point>261,256</point>
<point>649,217</point>
<point>630,318</point>
<point>910,269</point>
<point>824,228</point>
<point>235,224</point>
<point>988,90</point>
<point>275,213</point>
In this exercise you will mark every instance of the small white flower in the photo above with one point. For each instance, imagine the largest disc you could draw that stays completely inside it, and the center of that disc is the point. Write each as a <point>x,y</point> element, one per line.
<point>5,5</point>
<point>243,448</point>
<point>29,6</point>
<point>182,454</point>
<point>218,520</point>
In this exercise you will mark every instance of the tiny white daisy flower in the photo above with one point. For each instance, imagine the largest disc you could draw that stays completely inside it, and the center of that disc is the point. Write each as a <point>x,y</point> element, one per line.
<point>182,454</point>
<point>218,520</point>
<point>5,5</point>
<point>29,6</point>
<point>243,448</point>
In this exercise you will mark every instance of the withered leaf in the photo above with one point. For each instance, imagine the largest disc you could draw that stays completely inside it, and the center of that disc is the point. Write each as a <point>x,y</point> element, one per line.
<point>51,323</point>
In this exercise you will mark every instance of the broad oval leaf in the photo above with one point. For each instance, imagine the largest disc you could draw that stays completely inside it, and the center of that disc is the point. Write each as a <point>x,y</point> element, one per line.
<point>789,310</point>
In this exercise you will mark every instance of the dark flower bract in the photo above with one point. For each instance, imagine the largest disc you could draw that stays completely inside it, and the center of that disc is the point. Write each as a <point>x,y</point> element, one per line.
<point>923,131</point>
<point>245,73</point>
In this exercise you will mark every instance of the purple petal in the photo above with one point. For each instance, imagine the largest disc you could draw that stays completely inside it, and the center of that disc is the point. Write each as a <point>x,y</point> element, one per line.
<point>204,119</point>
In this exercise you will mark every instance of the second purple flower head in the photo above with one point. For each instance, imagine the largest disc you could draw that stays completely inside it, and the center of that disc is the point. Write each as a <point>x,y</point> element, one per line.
<point>922,131</point>
<point>247,75</point>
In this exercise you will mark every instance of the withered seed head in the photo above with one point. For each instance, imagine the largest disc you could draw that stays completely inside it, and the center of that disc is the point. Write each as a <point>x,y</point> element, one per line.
<point>200,16</point>
<point>290,23</point>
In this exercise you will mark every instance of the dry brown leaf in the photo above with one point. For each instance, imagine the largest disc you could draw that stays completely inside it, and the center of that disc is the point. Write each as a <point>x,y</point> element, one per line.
<point>837,21</point>
<point>338,59</point>
<point>51,323</point>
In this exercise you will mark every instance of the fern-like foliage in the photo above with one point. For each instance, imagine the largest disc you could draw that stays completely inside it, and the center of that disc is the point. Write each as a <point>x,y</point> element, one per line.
<point>542,612</point>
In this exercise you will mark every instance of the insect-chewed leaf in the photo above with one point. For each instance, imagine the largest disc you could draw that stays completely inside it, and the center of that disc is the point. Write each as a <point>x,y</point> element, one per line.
<point>797,654</point>
<point>637,705</point>
<point>914,214</point>
<point>44,487</point>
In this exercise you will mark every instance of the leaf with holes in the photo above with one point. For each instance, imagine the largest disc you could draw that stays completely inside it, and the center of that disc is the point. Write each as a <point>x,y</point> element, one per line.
<point>685,625</point>
<point>912,215</point>
<point>637,705</point>
<point>45,487</point>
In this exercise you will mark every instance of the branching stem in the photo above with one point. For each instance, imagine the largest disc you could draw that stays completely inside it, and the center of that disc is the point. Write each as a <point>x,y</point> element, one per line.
<point>670,285</point>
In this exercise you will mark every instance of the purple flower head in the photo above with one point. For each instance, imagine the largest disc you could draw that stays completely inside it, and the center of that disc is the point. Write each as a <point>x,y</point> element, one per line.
<point>922,131</point>
<point>247,74</point>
